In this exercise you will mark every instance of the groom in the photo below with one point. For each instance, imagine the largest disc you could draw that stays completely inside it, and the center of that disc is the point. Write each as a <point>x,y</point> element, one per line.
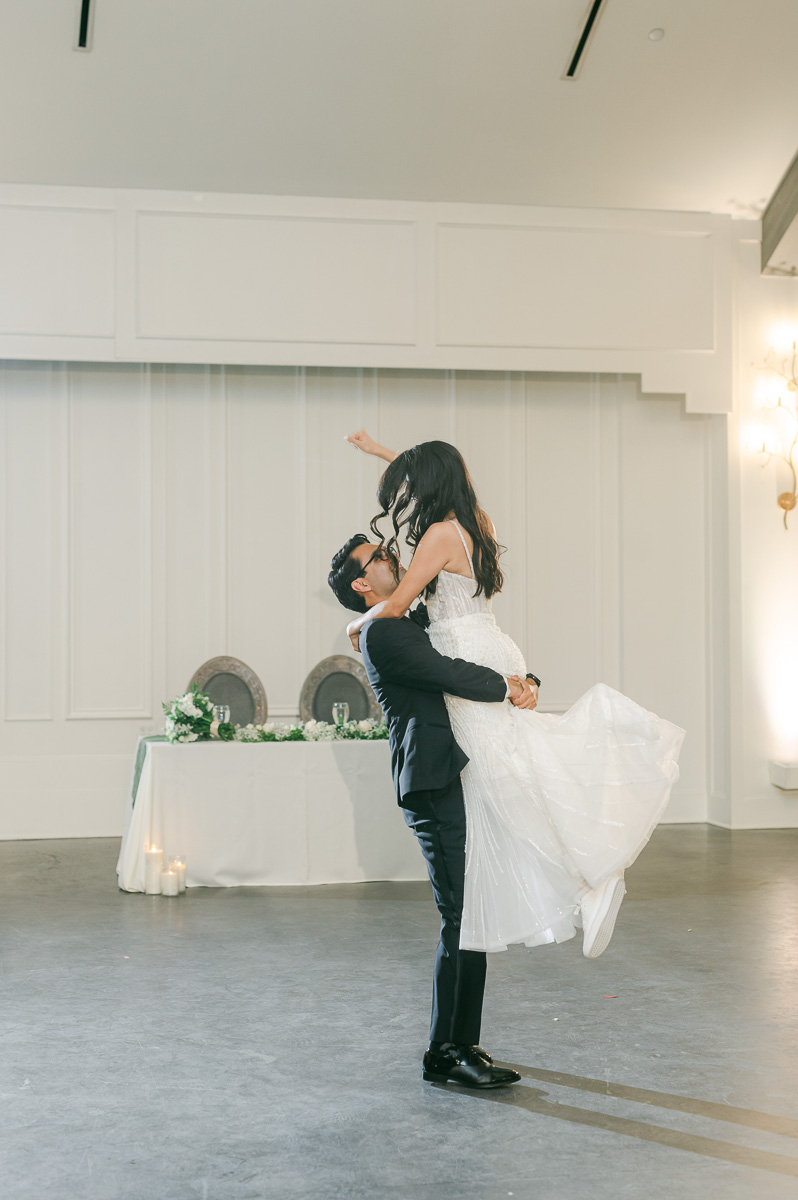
<point>409,678</point>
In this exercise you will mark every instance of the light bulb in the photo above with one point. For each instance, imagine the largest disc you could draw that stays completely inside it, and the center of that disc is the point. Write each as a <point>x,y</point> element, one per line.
<point>783,336</point>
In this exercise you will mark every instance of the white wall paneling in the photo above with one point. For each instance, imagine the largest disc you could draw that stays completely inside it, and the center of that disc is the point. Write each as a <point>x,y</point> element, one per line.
<point>608,529</point>
<point>178,372</point>
<point>720,703</point>
<point>110,543</point>
<point>298,281</point>
<point>57,247</point>
<point>480,428</point>
<point>522,285</point>
<point>308,279</point>
<point>192,518</point>
<point>32,495</point>
<point>665,624</point>
<point>205,504</point>
<point>268,529</point>
<point>562,580</point>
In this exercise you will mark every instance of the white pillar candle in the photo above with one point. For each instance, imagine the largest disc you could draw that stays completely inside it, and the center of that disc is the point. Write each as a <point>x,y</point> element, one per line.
<point>178,865</point>
<point>168,883</point>
<point>154,858</point>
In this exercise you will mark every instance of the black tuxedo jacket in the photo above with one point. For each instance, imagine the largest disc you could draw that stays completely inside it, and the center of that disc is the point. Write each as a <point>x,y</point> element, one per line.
<point>409,678</point>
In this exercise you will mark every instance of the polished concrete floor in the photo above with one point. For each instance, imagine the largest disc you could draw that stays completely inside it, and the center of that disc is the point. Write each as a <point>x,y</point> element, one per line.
<point>234,1044</point>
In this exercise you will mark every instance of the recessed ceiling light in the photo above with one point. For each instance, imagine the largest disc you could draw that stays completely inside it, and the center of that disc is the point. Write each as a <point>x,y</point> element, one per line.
<point>656,34</point>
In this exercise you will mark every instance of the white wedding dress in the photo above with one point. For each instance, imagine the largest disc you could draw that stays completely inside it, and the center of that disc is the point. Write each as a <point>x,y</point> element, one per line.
<point>555,804</point>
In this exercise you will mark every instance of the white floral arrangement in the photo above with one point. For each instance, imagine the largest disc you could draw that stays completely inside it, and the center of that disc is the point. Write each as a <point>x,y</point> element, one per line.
<point>189,718</point>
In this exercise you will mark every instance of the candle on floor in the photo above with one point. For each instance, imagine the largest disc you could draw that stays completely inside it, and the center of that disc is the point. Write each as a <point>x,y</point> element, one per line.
<point>168,883</point>
<point>178,865</point>
<point>154,856</point>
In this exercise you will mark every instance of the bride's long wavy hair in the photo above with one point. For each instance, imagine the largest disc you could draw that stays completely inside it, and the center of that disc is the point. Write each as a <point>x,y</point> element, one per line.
<point>425,484</point>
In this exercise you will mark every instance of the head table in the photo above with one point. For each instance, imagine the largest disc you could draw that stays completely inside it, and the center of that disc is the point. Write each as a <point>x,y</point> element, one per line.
<point>269,813</point>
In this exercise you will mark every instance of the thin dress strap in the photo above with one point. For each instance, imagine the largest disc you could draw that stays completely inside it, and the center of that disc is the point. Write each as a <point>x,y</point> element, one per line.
<point>465,546</point>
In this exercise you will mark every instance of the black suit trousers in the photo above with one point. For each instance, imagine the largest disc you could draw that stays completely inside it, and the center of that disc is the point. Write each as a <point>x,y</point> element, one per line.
<point>438,820</point>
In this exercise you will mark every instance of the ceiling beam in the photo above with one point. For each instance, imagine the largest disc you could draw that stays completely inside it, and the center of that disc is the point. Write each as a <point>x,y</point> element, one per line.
<point>780,213</point>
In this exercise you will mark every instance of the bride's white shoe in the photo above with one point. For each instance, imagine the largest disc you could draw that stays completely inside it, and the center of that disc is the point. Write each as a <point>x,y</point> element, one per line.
<point>599,911</point>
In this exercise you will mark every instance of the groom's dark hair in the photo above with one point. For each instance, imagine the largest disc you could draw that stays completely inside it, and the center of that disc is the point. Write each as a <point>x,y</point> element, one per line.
<point>344,570</point>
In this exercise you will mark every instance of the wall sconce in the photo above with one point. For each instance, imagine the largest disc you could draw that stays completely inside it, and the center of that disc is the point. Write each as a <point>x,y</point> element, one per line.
<point>780,437</point>
<point>784,775</point>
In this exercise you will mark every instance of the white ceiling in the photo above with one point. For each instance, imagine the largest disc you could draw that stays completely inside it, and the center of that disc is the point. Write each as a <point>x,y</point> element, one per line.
<point>407,99</point>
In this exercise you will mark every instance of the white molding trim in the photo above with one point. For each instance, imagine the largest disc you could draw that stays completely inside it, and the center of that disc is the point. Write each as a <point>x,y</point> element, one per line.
<point>11,716</point>
<point>110,714</point>
<point>674,360</point>
<point>618,229</point>
<point>285,218</point>
<point>67,298</point>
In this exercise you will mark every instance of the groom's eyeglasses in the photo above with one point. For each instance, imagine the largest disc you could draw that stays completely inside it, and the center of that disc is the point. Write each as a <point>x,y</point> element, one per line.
<point>380,553</point>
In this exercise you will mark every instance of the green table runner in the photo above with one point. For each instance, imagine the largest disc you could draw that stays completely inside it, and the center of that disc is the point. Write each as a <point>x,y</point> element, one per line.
<point>141,754</point>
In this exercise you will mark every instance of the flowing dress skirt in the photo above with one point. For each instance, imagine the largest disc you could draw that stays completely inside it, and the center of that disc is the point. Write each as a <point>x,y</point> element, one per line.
<point>555,803</point>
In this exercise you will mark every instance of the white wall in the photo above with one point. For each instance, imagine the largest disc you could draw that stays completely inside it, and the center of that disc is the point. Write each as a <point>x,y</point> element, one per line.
<point>158,515</point>
<point>173,502</point>
<point>764,561</point>
<point>91,274</point>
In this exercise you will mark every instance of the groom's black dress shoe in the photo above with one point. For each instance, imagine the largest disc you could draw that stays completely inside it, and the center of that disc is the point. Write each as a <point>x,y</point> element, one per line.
<point>470,1066</point>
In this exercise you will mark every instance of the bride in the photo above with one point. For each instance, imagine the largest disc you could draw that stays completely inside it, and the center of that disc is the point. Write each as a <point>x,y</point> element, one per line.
<point>557,806</point>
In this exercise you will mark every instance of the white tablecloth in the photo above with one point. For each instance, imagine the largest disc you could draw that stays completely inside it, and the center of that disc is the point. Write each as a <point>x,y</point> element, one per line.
<point>284,813</point>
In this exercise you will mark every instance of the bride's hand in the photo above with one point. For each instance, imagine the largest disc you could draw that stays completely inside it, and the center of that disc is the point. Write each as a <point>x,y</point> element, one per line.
<point>354,627</point>
<point>528,697</point>
<point>363,441</point>
<point>366,443</point>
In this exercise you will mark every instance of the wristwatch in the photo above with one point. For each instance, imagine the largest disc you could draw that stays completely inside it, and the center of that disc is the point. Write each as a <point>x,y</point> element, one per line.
<point>534,678</point>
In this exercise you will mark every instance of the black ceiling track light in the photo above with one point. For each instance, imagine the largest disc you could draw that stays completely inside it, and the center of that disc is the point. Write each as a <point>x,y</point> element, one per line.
<point>581,45</point>
<point>85,25</point>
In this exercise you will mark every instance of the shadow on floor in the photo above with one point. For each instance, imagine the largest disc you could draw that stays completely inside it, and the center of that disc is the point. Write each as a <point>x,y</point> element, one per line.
<point>533,1100</point>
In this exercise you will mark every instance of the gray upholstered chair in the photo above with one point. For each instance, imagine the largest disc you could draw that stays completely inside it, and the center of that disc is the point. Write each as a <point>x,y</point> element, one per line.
<point>229,681</point>
<point>338,677</point>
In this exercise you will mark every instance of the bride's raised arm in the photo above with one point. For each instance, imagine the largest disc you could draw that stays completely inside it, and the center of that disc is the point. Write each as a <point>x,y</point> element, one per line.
<point>367,444</point>
<point>432,554</point>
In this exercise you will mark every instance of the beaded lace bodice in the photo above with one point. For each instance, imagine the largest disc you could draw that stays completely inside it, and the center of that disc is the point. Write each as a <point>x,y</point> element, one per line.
<point>454,594</point>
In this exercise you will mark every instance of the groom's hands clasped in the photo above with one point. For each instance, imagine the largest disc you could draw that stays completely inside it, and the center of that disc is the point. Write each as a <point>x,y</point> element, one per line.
<point>523,692</point>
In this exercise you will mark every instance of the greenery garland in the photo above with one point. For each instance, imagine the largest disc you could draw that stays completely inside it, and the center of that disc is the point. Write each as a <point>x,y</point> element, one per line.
<point>189,718</point>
